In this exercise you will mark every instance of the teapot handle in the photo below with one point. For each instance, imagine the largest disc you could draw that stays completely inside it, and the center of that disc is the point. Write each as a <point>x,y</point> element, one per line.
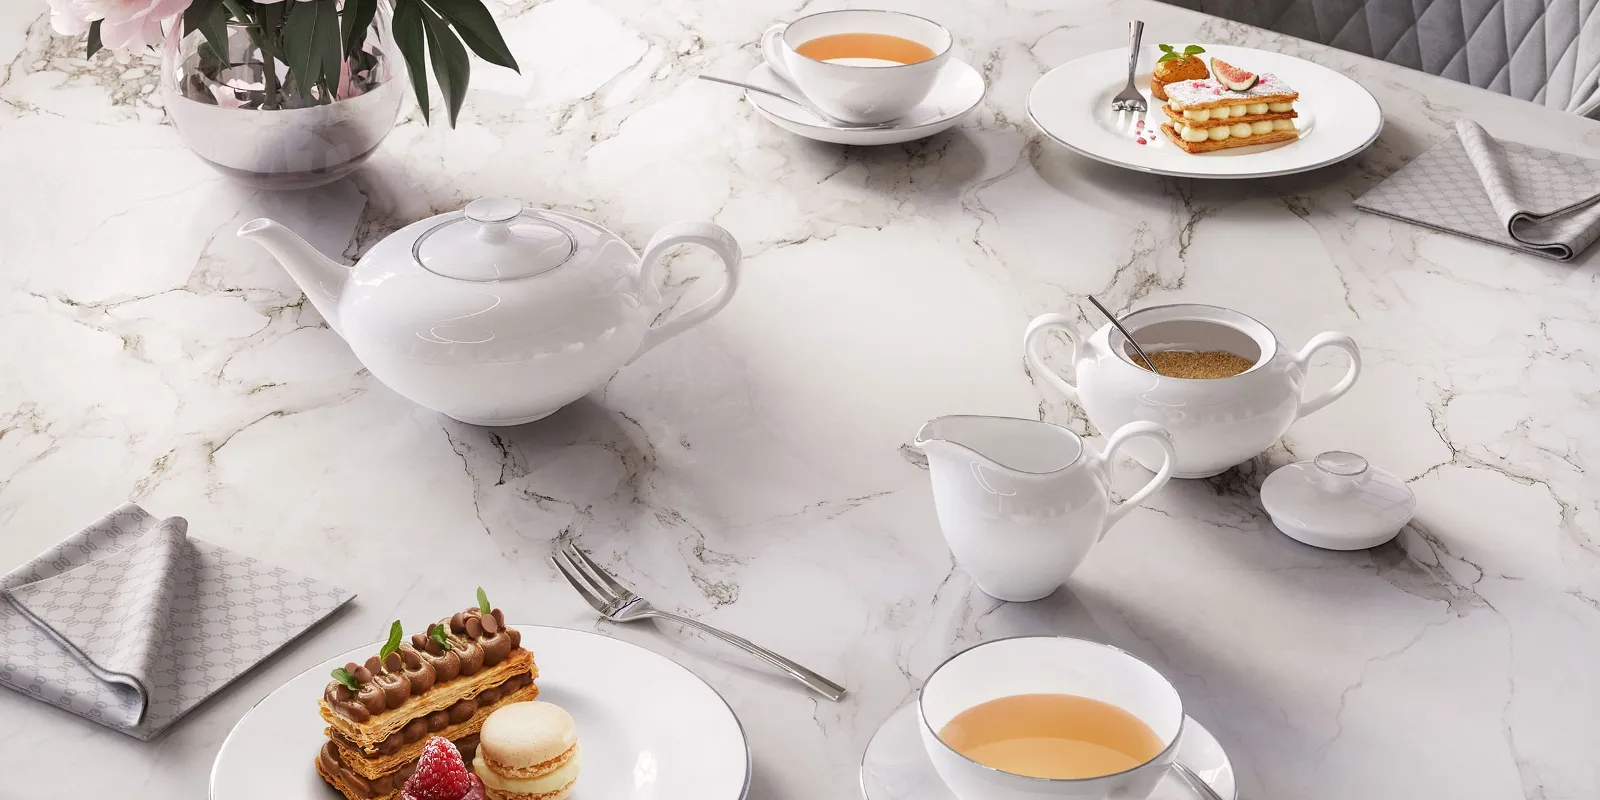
<point>706,235</point>
<point>1303,358</point>
<point>1102,462</point>
<point>1031,339</point>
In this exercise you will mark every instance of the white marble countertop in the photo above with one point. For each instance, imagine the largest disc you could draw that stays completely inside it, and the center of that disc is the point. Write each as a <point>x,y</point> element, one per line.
<point>754,472</point>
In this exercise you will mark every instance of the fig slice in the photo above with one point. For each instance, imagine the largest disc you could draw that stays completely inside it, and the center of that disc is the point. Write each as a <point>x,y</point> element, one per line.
<point>1232,77</point>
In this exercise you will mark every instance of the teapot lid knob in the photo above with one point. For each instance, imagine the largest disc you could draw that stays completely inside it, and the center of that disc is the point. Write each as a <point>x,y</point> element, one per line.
<point>493,209</point>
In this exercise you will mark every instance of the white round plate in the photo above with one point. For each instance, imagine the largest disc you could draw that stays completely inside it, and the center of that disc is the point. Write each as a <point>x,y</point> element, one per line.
<point>1072,105</point>
<point>649,727</point>
<point>895,767</point>
<point>958,90</point>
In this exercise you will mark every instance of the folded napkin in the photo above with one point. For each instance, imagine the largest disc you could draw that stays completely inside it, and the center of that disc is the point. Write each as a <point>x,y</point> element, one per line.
<point>131,624</point>
<point>1526,198</point>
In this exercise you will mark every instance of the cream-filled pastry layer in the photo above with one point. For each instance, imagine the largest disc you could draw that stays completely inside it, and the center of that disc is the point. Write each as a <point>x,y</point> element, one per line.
<point>1219,133</point>
<point>1240,110</point>
<point>544,784</point>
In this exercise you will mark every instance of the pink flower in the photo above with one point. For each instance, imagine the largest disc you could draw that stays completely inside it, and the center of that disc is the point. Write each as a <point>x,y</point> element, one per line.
<point>124,24</point>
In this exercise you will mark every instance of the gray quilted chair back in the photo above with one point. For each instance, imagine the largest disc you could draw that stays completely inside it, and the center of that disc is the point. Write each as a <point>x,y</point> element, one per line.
<point>1546,51</point>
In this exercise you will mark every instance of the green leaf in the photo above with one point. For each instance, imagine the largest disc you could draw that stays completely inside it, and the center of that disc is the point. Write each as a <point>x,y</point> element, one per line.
<point>330,45</point>
<point>477,28</point>
<point>1193,50</point>
<point>483,602</point>
<point>450,65</point>
<point>436,633</point>
<point>210,18</point>
<point>1165,48</point>
<point>300,50</point>
<point>408,37</point>
<point>1169,57</point>
<point>94,39</point>
<point>353,24</point>
<point>395,631</point>
<point>343,676</point>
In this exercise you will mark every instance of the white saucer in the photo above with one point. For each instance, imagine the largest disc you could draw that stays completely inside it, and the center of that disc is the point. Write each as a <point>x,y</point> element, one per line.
<point>649,727</point>
<point>895,767</point>
<point>1072,105</point>
<point>958,90</point>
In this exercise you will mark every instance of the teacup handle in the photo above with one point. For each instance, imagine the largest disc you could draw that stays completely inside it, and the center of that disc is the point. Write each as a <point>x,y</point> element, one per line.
<point>772,51</point>
<point>1303,358</point>
<point>704,234</point>
<point>1103,461</point>
<point>1031,341</point>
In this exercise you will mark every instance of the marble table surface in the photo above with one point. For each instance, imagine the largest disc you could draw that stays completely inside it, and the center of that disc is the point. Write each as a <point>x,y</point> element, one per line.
<point>755,472</point>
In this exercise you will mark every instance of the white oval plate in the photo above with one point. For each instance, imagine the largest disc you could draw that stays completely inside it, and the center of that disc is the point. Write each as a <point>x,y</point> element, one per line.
<point>1072,105</point>
<point>896,767</point>
<point>650,728</point>
<point>958,90</point>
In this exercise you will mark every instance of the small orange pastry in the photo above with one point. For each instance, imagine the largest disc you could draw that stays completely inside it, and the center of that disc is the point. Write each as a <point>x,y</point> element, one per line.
<point>1174,66</point>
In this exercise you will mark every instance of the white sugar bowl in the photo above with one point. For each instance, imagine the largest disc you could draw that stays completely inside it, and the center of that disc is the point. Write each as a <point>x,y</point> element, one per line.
<point>1337,501</point>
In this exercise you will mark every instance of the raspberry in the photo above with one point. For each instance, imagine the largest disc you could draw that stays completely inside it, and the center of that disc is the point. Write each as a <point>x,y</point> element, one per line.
<point>1140,140</point>
<point>441,775</point>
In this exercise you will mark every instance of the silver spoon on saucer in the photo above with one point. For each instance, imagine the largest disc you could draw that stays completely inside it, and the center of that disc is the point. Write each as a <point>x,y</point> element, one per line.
<point>831,121</point>
<point>1125,334</point>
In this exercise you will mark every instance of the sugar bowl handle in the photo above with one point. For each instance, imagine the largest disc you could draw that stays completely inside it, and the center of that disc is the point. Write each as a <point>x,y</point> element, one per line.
<point>707,235</point>
<point>1134,430</point>
<point>1303,358</point>
<point>1034,337</point>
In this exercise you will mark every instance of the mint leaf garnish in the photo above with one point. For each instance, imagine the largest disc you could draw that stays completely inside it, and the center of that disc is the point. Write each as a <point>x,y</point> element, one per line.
<point>343,676</point>
<point>1169,56</point>
<point>1193,49</point>
<point>483,602</point>
<point>1165,48</point>
<point>395,633</point>
<point>436,633</point>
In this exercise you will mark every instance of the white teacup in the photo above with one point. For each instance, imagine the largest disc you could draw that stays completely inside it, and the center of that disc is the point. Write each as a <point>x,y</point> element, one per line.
<point>1048,665</point>
<point>858,90</point>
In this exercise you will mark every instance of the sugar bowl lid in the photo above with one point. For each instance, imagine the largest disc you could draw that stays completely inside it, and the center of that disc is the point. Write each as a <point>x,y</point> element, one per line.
<point>1337,501</point>
<point>494,239</point>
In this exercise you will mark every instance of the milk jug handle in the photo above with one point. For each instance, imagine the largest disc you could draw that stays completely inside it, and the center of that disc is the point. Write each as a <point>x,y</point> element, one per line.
<point>1134,430</point>
<point>707,235</point>
<point>1033,340</point>
<point>1303,358</point>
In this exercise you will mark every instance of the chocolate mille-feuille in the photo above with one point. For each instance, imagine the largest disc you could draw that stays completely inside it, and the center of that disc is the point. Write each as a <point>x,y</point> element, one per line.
<point>444,682</point>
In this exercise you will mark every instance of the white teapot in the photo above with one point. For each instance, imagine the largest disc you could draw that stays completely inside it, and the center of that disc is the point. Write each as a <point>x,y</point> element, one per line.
<point>1215,423</point>
<point>498,314</point>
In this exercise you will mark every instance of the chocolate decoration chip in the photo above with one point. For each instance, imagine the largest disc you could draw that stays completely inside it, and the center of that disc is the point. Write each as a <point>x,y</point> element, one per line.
<point>457,623</point>
<point>499,618</point>
<point>474,627</point>
<point>438,721</point>
<point>392,663</point>
<point>490,624</point>
<point>373,665</point>
<point>419,641</point>
<point>351,667</point>
<point>361,674</point>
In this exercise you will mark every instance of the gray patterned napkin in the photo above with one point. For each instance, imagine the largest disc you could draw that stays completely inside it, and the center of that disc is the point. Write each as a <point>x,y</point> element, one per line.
<point>1526,198</point>
<point>131,624</point>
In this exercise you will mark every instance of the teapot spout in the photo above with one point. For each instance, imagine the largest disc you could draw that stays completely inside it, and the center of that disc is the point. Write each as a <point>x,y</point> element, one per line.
<point>320,277</point>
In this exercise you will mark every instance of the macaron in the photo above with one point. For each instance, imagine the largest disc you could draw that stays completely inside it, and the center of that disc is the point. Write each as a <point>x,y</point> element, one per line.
<point>528,751</point>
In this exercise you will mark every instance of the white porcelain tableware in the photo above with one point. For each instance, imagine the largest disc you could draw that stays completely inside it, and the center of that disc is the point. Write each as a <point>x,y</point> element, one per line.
<point>1337,501</point>
<point>1072,105</point>
<point>895,765</point>
<point>650,728</point>
<point>1215,423</point>
<point>1022,502</point>
<point>1048,665</point>
<point>858,89</point>
<point>499,314</point>
<point>957,91</point>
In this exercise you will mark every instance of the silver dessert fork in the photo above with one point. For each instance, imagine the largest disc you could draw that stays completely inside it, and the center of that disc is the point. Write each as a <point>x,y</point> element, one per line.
<point>1129,99</point>
<point>618,603</point>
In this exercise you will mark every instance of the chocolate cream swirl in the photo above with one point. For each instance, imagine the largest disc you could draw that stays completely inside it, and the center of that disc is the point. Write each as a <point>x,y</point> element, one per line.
<point>476,640</point>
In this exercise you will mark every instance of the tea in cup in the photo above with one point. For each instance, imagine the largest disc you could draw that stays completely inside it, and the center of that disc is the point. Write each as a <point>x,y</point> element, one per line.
<point>859,66</point>
<point>1049,717</point>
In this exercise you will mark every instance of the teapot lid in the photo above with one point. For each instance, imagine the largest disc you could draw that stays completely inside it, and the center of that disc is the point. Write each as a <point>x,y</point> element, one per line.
<point>494,239</point>
<point>1338,501</point>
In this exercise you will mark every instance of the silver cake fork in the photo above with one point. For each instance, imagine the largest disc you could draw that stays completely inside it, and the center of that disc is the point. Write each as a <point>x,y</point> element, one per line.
<point>618,603</point>
<point>1129,99</point>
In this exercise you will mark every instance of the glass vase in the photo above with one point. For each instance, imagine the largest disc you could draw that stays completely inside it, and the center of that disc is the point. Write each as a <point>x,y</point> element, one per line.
<point>245,116</point>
